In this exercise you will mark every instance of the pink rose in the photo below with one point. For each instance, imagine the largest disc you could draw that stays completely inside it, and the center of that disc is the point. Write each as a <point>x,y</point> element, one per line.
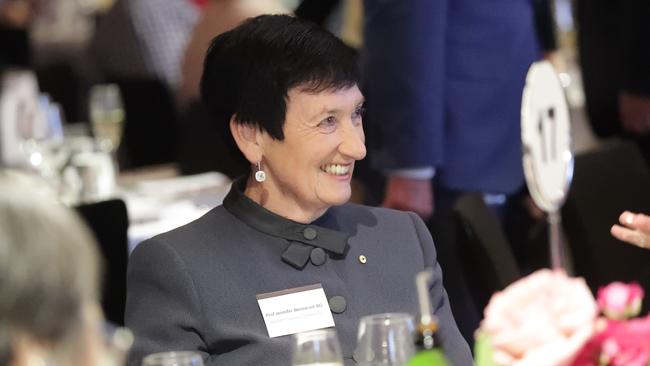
<point>620,301</point>
<point>542,319</point>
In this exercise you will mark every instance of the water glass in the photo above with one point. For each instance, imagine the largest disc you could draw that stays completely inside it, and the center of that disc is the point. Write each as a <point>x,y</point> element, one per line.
<point>175,358</point>
<point>317,347</point>
<point>385,340</point>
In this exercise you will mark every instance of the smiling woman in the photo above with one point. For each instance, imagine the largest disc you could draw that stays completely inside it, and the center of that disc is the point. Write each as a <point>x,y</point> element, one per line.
<point>285,93</point>
<point>311,168</point>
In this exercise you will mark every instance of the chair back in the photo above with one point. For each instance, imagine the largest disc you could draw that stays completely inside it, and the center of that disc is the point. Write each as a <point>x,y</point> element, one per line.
<point>108,221</point>
<point>487,256</point>
<point>475,256</point>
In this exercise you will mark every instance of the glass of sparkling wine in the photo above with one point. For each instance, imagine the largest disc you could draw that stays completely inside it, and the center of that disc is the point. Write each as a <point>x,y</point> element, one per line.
<point>317,347</point>
<point>106,115</point>
<point>176,358</point>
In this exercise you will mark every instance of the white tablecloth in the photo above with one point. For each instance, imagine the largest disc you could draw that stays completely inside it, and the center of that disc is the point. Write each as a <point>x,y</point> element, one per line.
<point>159,205</point>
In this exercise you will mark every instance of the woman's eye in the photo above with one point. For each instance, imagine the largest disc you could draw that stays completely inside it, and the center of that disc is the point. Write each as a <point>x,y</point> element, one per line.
<point>328,123</point>
<point>358,114</point>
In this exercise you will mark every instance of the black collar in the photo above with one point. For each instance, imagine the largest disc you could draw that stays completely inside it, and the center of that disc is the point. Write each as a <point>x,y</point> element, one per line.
<point>302,237</point>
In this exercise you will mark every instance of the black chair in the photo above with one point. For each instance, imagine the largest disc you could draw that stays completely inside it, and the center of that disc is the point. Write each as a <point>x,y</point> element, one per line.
<point>606,182</point>
<point>108,221</point>
<point>489,262</point>
<point>476,259</point>
<point>151,127</point>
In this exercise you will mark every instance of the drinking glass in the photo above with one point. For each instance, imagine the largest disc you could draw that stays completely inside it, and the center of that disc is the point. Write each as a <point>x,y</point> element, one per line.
<point>385,340</point>
<point>176,358</point>
<point>106,115</point>
<point>317,347</point>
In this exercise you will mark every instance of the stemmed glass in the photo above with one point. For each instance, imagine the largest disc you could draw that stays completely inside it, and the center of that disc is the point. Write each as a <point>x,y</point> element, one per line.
<point>317,347</point>
<point>385,340</point>
<point>106,115</point>
<point>177,358</point>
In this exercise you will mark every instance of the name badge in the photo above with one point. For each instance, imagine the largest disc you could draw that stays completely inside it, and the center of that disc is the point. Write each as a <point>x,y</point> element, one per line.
<point>295,310</point>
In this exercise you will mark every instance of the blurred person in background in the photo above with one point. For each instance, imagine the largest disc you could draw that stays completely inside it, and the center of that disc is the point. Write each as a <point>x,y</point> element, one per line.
<point>454,73</point>
<point>49,312</point>
<point>217,17</point>
<point>614,48</point>
<point>144,39</point>
<point>50,37</point>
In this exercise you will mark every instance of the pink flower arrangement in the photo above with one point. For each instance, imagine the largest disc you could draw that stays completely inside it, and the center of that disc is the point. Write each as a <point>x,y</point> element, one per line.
<point>548,318</point>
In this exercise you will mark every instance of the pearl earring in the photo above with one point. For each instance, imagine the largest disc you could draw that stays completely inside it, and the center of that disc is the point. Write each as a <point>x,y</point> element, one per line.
<point>260,175</point>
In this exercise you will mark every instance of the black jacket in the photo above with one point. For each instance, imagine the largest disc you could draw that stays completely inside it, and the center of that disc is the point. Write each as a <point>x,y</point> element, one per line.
<point>194,288</point>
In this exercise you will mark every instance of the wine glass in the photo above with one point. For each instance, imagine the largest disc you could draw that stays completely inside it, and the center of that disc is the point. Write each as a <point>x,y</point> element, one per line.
<point>317,347</point>
<point>385,340</point>
<point>106,115</point>
<point>175,358</point>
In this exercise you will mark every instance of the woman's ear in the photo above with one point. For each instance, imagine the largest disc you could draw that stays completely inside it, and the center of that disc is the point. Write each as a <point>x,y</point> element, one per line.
<point>248,139</point>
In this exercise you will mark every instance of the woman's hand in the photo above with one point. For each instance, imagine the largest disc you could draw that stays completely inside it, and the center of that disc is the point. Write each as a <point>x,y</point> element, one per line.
<point>634,229</point>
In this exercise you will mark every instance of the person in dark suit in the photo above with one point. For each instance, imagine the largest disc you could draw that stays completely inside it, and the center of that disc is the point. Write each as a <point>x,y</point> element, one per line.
<point>444,81</point>
<point>285,92</point>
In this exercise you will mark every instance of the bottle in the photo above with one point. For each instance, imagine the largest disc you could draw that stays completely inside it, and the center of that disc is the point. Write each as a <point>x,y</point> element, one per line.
<point>429,351</point>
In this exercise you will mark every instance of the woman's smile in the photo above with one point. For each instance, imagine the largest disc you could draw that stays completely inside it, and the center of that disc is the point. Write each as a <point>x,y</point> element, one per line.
<point>338,170</point>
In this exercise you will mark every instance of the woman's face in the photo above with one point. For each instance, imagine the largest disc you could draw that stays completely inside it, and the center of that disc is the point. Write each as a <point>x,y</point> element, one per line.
<point>310,170</point>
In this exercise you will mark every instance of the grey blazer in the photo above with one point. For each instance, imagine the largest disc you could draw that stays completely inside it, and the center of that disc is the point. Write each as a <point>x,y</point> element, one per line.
<point>194,287</point>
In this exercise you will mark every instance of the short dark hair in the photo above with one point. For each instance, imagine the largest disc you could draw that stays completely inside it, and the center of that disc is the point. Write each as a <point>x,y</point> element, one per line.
<point>249,70</point>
